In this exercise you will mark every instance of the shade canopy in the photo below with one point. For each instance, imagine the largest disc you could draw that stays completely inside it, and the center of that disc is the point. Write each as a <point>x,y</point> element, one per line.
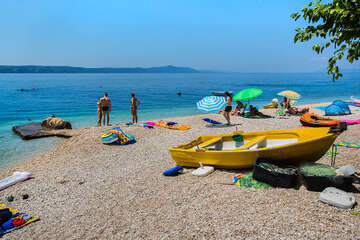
<point>289,94</point>
<point>247,94</point>
<point>211,103</point>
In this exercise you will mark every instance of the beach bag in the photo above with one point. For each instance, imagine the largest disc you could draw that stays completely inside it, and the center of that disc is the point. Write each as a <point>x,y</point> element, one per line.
<point>316,177</point>
<point>275,174</point>
<point>5,215</point>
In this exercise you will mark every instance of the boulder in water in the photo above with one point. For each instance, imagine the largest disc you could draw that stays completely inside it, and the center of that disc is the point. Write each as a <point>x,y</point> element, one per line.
<point>35,130</point>
<point>56,123</point>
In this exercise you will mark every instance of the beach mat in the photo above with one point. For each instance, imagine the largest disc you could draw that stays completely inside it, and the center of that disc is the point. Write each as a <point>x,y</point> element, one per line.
<point>348,144</point>
<point>18,220</point>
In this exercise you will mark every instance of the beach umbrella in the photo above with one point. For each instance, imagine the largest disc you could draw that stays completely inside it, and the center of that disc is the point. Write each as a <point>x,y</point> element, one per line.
<point>211,103</point>
<point>289,94</point>
<point>247,94</point>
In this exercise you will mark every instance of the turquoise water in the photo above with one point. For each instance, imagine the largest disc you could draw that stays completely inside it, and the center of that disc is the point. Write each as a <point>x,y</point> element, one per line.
<point>73,97</point>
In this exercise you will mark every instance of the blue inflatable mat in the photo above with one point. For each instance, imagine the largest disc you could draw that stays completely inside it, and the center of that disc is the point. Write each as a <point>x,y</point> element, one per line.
<point>211,121</point>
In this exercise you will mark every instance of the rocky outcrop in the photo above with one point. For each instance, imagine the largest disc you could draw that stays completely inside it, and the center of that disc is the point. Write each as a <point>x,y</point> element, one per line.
<point>55,123</point>
<point>35,130</point>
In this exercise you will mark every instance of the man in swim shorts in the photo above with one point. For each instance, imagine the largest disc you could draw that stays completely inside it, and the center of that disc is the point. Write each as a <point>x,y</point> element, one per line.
<point>105,107</point>
<point>228,107</point>
<point>134,106</point>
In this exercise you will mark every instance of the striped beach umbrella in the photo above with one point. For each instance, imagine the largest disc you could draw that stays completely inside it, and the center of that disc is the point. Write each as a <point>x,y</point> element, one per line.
<point>211,103</point>
<point>289,94</point>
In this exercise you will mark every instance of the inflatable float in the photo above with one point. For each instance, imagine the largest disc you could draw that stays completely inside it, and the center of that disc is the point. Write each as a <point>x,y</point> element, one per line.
<point>271,106</point>
<point>109,137</point>
<point>13,179</point>
<point>313,120</point>
<point>117,135</point>
<point>172,125</point>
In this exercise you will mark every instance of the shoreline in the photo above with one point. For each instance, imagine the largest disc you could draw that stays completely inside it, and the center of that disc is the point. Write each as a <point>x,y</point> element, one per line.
<point>84,189</point>
<point>265,111</point>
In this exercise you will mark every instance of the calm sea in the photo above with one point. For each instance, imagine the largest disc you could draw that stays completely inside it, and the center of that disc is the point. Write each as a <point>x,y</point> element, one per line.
<point>73,97</point>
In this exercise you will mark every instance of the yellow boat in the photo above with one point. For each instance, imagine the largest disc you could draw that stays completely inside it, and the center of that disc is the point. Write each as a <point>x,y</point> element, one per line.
<point>240,149</point>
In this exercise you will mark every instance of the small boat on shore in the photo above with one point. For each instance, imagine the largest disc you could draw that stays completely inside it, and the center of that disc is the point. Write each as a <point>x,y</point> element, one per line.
<point>240,149</point>
<point>220,94</point>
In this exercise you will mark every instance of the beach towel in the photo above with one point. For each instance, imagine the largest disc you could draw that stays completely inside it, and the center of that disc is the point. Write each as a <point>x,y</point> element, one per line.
<point>348,144</point>
<point>247,181</point>
<point>18,220</point>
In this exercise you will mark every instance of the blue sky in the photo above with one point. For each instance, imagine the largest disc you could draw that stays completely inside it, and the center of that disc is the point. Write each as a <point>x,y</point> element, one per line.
<point>232,35</point>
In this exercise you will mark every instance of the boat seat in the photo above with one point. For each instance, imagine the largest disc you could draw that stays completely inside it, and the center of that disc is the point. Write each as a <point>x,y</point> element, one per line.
<point>260,140</point>
<point>209,142</point>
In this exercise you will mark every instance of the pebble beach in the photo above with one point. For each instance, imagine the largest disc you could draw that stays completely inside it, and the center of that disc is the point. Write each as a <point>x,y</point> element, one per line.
<point>83,189</point>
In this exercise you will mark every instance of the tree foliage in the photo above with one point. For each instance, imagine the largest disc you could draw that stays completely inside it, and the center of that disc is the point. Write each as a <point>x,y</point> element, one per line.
<point>338,23</point>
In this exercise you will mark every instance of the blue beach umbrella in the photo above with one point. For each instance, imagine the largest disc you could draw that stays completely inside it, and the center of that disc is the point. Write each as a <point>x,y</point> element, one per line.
<point>211,103</point>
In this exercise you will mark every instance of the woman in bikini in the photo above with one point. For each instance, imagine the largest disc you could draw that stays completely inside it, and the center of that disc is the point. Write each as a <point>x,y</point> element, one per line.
<point>228,107</point>
<point>134,106</point>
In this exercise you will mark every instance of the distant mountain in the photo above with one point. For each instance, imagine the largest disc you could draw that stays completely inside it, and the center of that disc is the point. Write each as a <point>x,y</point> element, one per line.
<point>67,69</point>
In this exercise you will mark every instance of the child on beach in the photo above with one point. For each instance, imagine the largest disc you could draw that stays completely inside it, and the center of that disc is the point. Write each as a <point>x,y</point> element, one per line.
<point>134,106</point>
<point>99,113</point>
<point>228,107</point>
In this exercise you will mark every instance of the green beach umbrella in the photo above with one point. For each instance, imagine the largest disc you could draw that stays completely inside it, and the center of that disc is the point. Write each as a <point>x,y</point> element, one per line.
<point>247,94</point>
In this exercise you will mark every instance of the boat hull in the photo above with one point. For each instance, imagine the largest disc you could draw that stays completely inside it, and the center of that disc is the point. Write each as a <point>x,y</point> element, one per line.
<point>307,151</point>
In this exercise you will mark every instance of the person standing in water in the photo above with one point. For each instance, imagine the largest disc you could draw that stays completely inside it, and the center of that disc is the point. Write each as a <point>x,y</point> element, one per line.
<point>105,108</point>
<point>134,106</point>
<point>99,112</point>
<point>228,107</point>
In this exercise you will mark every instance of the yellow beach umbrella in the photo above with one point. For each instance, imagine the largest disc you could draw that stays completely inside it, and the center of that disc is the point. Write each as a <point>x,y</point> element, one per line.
<point>289,94</point>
